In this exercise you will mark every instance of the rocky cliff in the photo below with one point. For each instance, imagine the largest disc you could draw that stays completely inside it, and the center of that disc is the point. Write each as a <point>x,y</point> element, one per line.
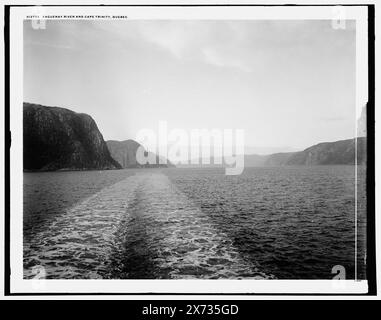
<point>124,152</point>
<point>361,123</point>
<point>60,139</point>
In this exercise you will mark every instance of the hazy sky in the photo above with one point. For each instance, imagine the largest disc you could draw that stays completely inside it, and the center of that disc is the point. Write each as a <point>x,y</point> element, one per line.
<point>288,84</point>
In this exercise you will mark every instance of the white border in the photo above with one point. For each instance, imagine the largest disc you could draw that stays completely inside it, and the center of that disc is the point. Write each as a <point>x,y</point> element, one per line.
<point>18,284</point>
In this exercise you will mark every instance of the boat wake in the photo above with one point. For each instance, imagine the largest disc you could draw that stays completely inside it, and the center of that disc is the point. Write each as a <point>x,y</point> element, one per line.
<point>142,227</point>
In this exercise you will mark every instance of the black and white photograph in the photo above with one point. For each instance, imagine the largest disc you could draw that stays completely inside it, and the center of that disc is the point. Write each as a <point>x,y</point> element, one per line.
<point>181,145</point>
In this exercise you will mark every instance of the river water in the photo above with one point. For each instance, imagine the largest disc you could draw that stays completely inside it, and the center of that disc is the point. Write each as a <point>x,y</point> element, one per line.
<point>281,222</point>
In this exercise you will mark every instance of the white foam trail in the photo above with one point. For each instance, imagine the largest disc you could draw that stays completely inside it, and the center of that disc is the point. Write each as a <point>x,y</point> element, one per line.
<point>80,242</point>
<point>188,244</point>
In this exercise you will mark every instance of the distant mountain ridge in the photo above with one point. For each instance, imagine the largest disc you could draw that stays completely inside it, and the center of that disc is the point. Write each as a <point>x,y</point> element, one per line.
<point>124,152</point>
<point>326,153</point>
<point>60,139</point>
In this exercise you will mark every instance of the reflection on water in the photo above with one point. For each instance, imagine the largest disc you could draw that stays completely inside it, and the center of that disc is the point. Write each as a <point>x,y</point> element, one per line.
<point>189,223</point>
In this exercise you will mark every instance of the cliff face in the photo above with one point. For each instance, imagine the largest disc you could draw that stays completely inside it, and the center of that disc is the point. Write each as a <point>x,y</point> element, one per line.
<point>124,152</point>
<point>361,123</point>
<point>57,138</point>
<point>327,153</point>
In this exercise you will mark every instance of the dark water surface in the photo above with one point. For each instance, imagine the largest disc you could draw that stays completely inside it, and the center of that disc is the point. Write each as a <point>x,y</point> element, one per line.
<point>283,222</point>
